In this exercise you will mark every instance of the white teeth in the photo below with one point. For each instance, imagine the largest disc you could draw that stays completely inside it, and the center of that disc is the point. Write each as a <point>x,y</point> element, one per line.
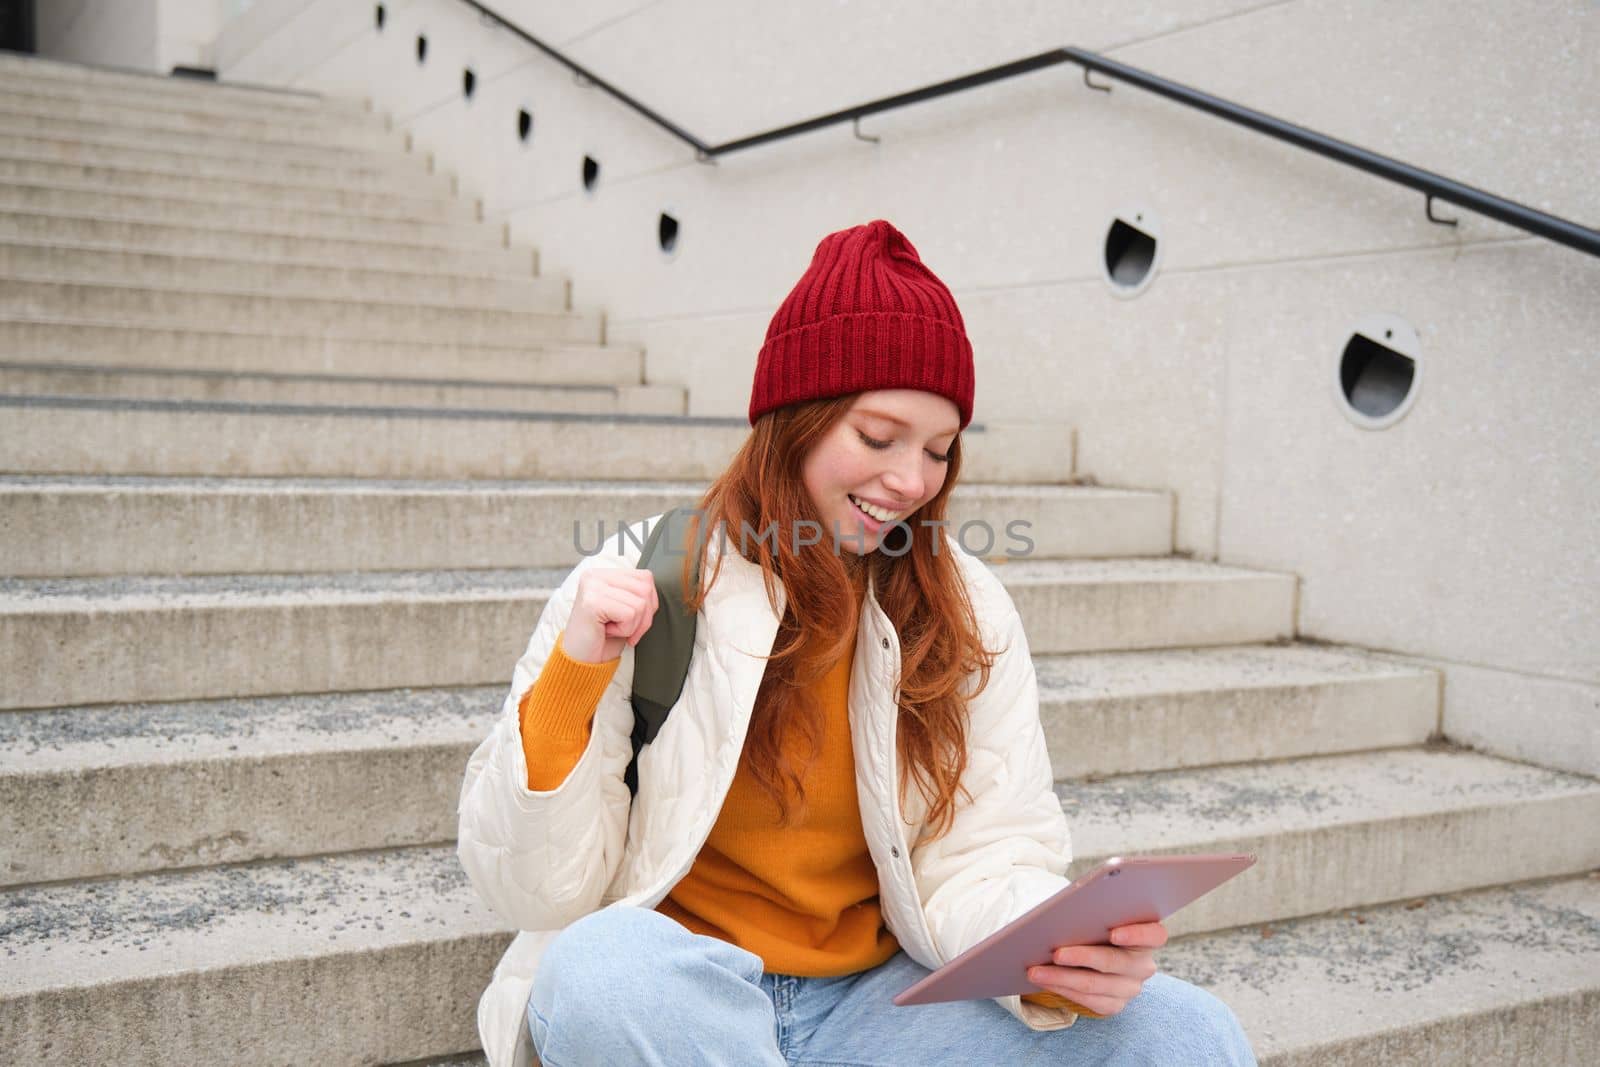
<point>872,509</point>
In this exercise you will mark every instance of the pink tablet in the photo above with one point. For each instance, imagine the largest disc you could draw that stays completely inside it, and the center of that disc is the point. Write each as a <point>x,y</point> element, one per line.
<point>1123,890</point>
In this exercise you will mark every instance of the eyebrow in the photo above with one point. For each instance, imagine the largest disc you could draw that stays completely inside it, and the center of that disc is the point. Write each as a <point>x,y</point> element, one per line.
<point>899,422</point>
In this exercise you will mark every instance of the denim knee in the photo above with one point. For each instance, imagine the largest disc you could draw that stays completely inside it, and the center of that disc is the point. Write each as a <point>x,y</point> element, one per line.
<point>596,953</point>
<point>1206,1023</point>
<point>628,984</point>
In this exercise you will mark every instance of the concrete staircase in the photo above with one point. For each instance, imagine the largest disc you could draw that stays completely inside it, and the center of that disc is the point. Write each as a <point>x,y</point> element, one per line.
<point>293,447</point>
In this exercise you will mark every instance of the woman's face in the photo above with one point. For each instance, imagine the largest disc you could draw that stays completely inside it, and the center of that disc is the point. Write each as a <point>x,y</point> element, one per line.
<point>885,453</point>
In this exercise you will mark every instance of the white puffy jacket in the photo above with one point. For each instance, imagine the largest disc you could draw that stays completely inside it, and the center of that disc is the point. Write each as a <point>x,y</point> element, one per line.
<point>544,859</point>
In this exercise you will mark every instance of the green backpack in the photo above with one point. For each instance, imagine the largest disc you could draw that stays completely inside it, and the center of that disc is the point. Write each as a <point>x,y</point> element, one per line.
<point>661,658</point>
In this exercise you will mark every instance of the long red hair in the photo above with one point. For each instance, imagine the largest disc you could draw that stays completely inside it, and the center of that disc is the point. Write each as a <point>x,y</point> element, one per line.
<point>921,591</point>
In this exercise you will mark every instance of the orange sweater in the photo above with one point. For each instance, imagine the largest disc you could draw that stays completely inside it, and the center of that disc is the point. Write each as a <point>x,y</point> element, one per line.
<point>804,897</point>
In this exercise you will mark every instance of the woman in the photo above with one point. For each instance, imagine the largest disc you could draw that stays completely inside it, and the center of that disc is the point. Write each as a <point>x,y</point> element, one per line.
<point>853,787</point>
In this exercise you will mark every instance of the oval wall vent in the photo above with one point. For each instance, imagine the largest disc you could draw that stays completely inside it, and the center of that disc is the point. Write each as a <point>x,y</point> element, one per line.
<point>1132,252</point>
<point>1379,371</point>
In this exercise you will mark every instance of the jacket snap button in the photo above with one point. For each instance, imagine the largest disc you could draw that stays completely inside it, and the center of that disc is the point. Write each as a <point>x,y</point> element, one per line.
<point>885,642</point>
<point>894,851</point>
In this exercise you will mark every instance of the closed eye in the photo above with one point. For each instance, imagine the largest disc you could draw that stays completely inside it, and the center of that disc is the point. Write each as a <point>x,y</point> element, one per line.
<point>874,443</point>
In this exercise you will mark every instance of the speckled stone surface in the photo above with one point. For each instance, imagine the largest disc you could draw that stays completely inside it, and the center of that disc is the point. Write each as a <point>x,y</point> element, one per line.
<point>1344,830</point>
<point>338,128</point>
<point>93,436</point>
<point>109,403</point>
<point>100,640</point>
<point>245,778</point>
<point>106,200</point>
<point>118,789</point>
<point>60,262</point>
<point>359,956</point>
<point>225,347</point>
<point>55,524</point>
<point>198,267</point>
<point>45,379</point>
<point>1121,712</point>
<point>1118,604</point>
<point>402,177</point>
<point>138,483</point>
<point>1503,976</point>
<point>98,435</point>
<point>65,594</point>
<point>101,736</point>
<point>434,319</point>
<point>145,635</point>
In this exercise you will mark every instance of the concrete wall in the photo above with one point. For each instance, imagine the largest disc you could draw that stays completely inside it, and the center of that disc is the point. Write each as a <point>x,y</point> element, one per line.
<point>189,31</point>
<point>111,33</point>
<point>149,35</point>
<point>1463,536</point>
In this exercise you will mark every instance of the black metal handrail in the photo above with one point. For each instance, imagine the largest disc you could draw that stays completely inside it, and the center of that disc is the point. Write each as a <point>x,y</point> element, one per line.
<point>1433,186</point>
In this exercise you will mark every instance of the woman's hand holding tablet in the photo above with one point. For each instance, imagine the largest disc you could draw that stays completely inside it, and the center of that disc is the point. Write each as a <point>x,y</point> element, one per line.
<point>1099,980</point>
<point>1093,943</point>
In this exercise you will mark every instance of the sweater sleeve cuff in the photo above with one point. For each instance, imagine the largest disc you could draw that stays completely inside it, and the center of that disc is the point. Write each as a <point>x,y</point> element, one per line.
<point>1055,1000</point>
<point>562,699</point>
<point>555,715</point>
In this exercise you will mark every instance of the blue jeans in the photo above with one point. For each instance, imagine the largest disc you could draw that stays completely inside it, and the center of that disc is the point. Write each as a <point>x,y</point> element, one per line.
<point>628,985</point>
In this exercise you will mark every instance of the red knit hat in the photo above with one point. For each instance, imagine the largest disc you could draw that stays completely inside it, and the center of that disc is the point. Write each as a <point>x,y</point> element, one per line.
<point>865,315</point>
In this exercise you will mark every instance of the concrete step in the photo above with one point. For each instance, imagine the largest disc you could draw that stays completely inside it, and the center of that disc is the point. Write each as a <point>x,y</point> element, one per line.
<point>268,107</point>
<point>73,340</point>
<point>362,958</point>
<point>1093,605</point>
<point>98,640</point>
<point>225,781</point>
<point>191,95</point>
<point>91,435</point>
<point>381,203</point>
<point>277,526</point>
<point>1344,831</point>
<point>20,70</point>
<point>235,241</point>
<point>107,200</point>
<point>228,781</point>
<point>395,946</point>
<point>204,144</point>
<point>400,319</point>
<point>349,130</point>
<point>1109,713</point>
<point>407,175</point>
<point>1507,976</point>
<point>330,389</point>
<point>107,264</point>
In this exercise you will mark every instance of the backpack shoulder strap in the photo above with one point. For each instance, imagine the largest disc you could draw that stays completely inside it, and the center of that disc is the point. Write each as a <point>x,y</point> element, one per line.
<point>661,658</point>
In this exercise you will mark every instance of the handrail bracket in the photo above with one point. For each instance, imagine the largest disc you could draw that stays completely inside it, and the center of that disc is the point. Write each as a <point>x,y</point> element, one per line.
<point>1435,218</point>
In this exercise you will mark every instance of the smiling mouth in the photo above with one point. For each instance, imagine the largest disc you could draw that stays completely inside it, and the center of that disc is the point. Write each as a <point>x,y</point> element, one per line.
<point>876,514</point>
